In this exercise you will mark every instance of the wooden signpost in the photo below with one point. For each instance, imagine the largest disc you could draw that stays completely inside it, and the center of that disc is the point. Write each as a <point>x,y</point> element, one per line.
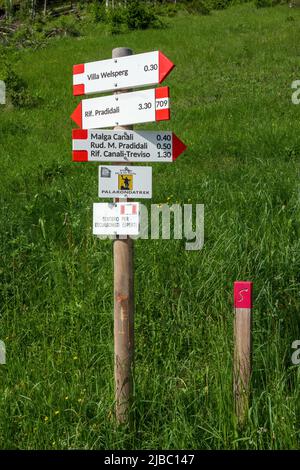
<point>123,252</point>
<point>242,347</point>
<point>122,146</point>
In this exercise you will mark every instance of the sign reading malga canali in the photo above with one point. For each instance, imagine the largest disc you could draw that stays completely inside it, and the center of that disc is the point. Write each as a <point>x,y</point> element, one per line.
<point>125,182</point>
<point>92,145</point>
<point>116,218</point>
<point>149,68</point>
<point>123,109</point>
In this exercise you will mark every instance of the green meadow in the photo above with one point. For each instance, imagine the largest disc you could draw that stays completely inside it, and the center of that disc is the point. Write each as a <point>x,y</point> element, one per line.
<point>231,104</point>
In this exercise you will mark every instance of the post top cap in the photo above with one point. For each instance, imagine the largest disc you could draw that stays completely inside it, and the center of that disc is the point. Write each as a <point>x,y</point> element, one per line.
<point>121,52</point>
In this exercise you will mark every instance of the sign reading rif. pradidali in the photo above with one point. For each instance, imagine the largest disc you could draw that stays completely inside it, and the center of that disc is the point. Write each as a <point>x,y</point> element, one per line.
<point>149,68</point>
<point>125,182</point>
<point>126,108</point>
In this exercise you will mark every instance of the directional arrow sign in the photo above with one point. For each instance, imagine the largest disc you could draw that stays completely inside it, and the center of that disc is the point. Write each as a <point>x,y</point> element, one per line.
<point>124,182</point>
<point>132,71</point>
<point>126,108</point>
<point>125,146</point>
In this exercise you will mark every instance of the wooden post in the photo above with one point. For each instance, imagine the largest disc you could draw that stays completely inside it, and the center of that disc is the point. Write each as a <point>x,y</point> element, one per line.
<point>242,348</point>
<point>123,309</point>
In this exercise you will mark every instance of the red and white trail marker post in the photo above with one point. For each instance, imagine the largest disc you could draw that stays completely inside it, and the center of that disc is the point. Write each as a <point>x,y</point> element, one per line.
<point>242,347</point>
<point>123,146</point>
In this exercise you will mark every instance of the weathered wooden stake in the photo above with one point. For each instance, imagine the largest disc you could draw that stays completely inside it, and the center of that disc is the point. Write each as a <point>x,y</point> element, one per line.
<point>242,348</point>
<point>123,309</point>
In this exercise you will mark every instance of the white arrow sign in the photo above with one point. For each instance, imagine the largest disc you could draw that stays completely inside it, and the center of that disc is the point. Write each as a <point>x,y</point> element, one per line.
<point>120,218</point>
<point>125,146</point>
<point>125,182</point>
<point>123,109</point>
<point>132,71</point>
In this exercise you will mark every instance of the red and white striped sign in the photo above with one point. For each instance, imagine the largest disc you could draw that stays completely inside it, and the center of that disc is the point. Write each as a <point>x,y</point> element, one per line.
<point>93,145</point>
<point>149,68</point>
<point>123,109</point>
<point>128,208</point>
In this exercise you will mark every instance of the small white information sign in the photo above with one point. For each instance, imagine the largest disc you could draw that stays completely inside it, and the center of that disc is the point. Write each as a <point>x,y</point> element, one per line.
<point>125,181</point>
<point>121,218</point>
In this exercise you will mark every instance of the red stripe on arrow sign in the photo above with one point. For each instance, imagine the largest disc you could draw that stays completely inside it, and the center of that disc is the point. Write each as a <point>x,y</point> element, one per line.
<point>77,115</point>
<point>80,155</point>
<point>162,114</point>
<point>162,92</point>
<point>78,90</point>
<point>77,69</point>
<point>165,66</point>
<point>79,134</point>
<point>177,146</point>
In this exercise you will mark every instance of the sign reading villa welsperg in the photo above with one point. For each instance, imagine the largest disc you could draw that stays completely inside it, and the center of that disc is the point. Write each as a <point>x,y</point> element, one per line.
<point>149,68</point>
<point>125,182</point>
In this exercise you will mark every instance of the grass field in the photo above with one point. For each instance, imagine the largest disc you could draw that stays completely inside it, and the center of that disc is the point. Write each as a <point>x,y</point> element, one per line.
<point>231,104</point>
